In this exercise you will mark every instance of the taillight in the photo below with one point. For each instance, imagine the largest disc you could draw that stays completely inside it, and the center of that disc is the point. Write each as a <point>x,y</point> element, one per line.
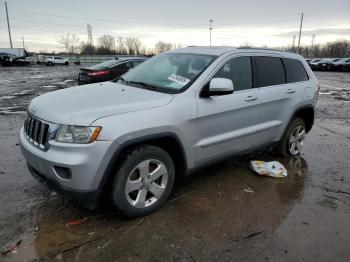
<point>318,88</point>
<point>98,73</point>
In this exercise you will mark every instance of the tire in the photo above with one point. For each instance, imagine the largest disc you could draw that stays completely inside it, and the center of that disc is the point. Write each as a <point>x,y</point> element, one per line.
<point>49,64</point>
<point>66,63</point>
<point>132,189</point>
<point>295,132</point>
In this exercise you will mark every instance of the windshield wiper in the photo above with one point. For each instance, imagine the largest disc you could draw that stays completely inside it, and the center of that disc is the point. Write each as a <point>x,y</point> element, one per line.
<point>147,86</point>
<point>122,78</point>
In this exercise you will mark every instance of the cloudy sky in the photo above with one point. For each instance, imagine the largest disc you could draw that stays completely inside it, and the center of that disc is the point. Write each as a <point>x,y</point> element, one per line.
<point>259,23</point>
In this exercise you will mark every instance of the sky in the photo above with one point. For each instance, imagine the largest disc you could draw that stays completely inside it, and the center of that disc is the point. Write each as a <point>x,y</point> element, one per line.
<point>261,22</point>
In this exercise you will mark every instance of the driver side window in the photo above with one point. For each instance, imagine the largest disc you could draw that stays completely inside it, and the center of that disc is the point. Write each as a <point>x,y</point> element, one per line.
<point>239,70</point>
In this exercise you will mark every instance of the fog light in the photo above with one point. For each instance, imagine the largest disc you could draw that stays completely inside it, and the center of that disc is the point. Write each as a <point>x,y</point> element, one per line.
<point>63,172</point>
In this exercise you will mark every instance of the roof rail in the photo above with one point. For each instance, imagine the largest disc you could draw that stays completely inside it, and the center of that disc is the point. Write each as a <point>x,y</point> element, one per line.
<point>265,49</point>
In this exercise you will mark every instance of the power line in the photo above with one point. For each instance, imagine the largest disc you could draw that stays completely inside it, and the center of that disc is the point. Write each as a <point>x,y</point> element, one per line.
<point>106,20</point>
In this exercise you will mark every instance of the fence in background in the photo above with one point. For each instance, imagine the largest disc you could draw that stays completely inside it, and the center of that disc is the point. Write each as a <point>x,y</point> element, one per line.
<point>93,59</point>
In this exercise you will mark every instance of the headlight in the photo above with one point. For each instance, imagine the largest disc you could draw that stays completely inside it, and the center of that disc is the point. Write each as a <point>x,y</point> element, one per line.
<point>77,134</point>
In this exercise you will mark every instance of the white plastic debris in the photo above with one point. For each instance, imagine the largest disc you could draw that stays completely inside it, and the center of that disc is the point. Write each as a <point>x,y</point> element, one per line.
<point>273,168</point>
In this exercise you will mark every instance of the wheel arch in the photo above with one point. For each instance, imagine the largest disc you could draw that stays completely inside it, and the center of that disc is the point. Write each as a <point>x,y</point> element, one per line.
<point>169,142</point>
<point>307,114</point>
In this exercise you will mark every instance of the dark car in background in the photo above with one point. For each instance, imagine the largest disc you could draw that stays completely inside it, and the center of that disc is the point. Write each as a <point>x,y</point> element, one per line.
<point>7,59</point>
<point>108,70</point>
<point>346,64</point>
<point>339,65</point>
<point>326,64</point>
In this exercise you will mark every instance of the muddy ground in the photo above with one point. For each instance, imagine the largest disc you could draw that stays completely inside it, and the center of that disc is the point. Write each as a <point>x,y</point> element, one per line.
<point>211,215</point>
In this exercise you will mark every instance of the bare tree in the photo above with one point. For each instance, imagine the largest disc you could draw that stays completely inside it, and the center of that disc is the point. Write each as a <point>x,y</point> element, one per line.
<point>121,45</point>
<point>137,46</point>
<point>107,44</point>
<point>86,48</point>
<point>163,46</point>
<point>129,43</point>
<point>70,42</point>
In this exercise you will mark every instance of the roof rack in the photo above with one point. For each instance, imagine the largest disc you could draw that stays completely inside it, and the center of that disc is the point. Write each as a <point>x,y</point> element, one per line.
<point>265,49</point>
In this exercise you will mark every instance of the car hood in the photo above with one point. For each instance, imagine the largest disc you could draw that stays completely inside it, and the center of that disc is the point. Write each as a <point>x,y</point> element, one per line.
<point>84,104</point>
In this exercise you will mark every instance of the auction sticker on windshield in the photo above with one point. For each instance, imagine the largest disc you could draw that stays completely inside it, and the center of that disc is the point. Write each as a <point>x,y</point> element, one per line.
<point>179,79</point>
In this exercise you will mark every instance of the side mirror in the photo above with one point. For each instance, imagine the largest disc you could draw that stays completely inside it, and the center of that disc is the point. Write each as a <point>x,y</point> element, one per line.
<point>218,87</point>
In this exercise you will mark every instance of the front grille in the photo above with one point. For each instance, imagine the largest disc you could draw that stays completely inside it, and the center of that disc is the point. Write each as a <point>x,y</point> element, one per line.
<point>36,131</point>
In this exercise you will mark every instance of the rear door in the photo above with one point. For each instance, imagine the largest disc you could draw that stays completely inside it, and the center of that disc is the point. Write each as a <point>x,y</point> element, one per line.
<point>227,123</point>
<point>278,97</point>
<point>58,60</point>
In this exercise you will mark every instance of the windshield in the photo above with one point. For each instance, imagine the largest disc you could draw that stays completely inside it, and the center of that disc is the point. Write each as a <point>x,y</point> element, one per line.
<point>104,65</point>
<point>169,72</point>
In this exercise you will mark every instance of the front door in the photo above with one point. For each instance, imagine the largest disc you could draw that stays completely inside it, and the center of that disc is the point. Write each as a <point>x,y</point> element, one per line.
<point>228,123</point>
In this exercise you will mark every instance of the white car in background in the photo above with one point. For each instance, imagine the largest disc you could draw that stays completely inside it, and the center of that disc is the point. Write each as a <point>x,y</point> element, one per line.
<point>56,60</point>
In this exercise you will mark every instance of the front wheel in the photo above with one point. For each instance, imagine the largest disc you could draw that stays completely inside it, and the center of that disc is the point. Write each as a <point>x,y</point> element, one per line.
<point>293,139</point>
<point>143,181</point>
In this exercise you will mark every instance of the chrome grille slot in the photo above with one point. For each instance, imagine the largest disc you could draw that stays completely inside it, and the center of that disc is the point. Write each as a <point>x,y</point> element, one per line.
<point>36,131</point>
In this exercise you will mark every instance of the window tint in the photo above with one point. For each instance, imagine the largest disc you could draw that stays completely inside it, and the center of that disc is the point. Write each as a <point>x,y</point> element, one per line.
<point>239,70</point>
<point>295,71</point>
<point>136,63</point>
<point>122,67</point>
<point>58,58</point>
<point>270,71</point>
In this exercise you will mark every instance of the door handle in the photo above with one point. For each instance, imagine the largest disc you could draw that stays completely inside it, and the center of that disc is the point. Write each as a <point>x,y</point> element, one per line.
<point>290,91</point>
<point>251,98</point>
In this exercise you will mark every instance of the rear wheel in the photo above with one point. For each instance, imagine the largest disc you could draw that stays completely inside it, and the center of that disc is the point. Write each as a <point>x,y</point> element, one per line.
<point>49,64</point>
<point>143,181</point>
<point>293,139</point>
<point>66,63</point>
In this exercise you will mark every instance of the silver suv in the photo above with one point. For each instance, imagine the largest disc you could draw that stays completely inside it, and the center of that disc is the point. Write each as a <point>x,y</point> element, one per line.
<point>176,112</point>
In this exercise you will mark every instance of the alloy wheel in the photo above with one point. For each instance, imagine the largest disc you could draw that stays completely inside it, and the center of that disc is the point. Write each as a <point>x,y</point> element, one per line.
<point>146,183</point>
<point>296,140</point>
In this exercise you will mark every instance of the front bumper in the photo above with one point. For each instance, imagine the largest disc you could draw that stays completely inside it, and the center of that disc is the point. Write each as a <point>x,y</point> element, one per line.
<point>88,198</point>
<point>85,162</point>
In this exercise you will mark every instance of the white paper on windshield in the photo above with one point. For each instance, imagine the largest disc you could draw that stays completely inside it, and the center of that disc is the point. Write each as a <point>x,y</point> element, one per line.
<point>179,79</point>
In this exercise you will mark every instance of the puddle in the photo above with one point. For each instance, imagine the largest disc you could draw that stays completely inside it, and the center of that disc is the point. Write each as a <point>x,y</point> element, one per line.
<point>12,110</point>
<point>208,209</point>
<point>329,202</point>
<point>69,81</point>
<point>49,86</point>
<point>37,77</point>
<point>28,92</point>
<point>341,98</point>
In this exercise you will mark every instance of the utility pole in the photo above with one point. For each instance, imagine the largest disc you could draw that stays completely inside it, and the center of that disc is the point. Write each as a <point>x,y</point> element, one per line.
<point>210,29</point>
<point>8,24</point>
<point>301,26</point>
<point>23,43</point>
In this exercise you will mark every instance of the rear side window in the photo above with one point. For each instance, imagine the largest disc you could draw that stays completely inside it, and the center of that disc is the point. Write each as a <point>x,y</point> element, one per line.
<point>137,62</point>
<point>295,71</point>
<point>239,70</point>
<point>270,71</point>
